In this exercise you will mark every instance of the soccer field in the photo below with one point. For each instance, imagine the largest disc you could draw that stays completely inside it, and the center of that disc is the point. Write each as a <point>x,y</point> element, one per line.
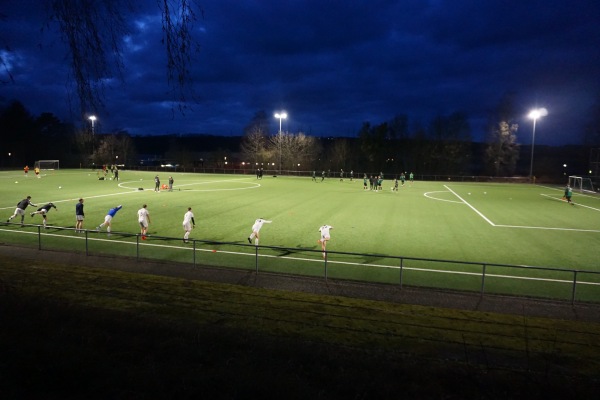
<point>473,222</point>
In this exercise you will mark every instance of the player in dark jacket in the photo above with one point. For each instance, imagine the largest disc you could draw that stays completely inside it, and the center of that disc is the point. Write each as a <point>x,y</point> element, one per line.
<point>43,210</point>
<point>20,210</point>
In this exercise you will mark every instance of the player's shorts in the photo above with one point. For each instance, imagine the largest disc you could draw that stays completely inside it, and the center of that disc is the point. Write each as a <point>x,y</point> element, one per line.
<point>187,227</point>
<point>19,211</point>
<point>323,237</point>
<point>107,219</point>
<point>43,211</point>
<point>79,217</point>
<point>144,224</point>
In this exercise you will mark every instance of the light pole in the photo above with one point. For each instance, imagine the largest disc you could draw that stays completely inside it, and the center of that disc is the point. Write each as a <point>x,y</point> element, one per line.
<point>92,118</point>
<point>534,115</point>
<point>281,115</point>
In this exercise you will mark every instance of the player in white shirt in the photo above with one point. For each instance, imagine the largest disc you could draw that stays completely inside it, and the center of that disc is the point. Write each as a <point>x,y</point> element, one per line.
<point>188,224</point>
<point>324,237</point>
<point>144,220</point>
<point>255,229</point>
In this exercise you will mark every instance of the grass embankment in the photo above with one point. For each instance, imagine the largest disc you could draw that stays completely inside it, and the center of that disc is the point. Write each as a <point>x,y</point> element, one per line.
<point>71,331</point>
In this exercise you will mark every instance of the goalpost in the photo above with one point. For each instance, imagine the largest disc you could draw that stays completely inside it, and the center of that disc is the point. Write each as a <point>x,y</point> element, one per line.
<point>581,183</point>
<point>48,164</point>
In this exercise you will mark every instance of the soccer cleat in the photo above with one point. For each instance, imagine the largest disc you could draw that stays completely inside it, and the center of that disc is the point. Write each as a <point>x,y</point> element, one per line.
<point>143,237</point>
<point>249,240</point>
<point>31,214</point>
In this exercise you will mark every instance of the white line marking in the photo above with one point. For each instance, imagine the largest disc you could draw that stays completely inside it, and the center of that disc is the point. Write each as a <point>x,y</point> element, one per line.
<point>313,260</point>
<point>578,204</point>
<point>427,194</point>
<point>471,207</point>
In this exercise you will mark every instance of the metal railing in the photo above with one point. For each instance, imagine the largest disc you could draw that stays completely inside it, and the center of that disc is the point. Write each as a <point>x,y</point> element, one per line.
<point>482,277</point>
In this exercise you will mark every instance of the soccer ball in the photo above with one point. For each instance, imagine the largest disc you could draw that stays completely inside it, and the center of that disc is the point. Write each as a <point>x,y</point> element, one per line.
<point>16,181</point>
<point>60,187</point>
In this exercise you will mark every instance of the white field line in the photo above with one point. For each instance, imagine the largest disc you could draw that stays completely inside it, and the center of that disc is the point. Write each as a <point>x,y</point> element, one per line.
<point>427,194</point>
<point>471,207</point>
<point>526,226</point>
<point>560,199</point>
<point>135,190</point>
<point>317,261</point>
<point>252,185</point>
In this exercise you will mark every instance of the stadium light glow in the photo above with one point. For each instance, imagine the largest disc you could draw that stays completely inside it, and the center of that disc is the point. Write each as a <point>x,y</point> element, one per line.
<point>534,115</point>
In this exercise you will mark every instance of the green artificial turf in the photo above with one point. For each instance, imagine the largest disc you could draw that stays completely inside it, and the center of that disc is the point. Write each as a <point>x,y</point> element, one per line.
<point>472,222</point>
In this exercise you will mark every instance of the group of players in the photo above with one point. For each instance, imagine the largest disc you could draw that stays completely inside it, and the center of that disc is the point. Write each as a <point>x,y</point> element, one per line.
<point>144,221</point>
<point>143,217</point>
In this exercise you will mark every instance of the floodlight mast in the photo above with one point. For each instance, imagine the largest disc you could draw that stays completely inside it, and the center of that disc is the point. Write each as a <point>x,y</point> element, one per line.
<point>93,118</point>
<point>281,115</point>
<point>534,115</point>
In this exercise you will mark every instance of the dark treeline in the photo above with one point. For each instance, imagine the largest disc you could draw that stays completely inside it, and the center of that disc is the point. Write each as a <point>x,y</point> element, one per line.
<point>444,147</point>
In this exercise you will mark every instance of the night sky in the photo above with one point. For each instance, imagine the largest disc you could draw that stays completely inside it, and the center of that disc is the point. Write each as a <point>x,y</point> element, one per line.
<point>332,65</point>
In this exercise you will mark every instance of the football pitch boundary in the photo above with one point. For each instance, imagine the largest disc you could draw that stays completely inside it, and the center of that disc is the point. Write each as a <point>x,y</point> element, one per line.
<point>309,260</point>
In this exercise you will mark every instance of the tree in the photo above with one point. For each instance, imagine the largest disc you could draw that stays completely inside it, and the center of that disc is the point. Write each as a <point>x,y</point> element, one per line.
<point>502,152</point>
<point>293,149</point>
<point>93,31</point>
<point>451,143</point>
<point>254,142</point>
<point>18,132</point>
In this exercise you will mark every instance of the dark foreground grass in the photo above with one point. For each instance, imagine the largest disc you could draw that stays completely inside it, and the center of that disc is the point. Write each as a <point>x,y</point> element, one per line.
<point>76,332</point>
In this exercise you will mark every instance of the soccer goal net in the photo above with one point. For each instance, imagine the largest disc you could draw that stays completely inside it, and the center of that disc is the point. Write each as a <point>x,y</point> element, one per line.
<point>47,164</point>
<point>581,183</point>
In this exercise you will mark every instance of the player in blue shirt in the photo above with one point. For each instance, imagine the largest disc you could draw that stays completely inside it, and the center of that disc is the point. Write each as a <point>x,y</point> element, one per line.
<point>108,218</point>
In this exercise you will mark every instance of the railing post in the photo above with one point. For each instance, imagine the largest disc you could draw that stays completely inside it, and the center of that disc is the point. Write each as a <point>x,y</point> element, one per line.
<point>256,257</point>
<point>39,237</point>
<point>325,252</point>
<point>194,252</point>
<point>137,247</point>
<point>574,287</point>
<point>401,271</point>
<point>482,280</point>
<point>87,252</point>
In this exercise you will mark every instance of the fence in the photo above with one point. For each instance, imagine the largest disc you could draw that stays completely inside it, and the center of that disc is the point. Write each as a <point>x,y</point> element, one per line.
<point>485,278</point>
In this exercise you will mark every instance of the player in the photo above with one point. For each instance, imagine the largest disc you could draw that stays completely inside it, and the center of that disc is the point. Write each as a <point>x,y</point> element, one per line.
<point>341,175</point>
<point>79,216</point>
<point>569,194</point>
<point>156,184</point>
<point>188,224</point>
<point>314,175</point>
<point>351,175</point>
<point>171,181</point>
<point>20,210</point>
<point>411,179</point>
<point>144,220</point>
<point>36,170</point>
<point>108,219</point>
<point>255,229</point>
<point>325,237</point>
<point>365,179</point>
<point>323,176</point>
<point>402,178</point>
<point>43,210</point>
<point>395,188</point>
<point>26,170</point>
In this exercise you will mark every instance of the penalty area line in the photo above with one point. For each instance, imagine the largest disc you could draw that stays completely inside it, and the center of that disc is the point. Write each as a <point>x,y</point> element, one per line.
<point>471,207</point>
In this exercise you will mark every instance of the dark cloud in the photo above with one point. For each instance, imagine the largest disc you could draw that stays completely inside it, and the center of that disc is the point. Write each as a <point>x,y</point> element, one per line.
<point>334,65</point>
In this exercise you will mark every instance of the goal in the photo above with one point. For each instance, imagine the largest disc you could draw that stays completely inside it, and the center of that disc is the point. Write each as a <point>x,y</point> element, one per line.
<point>48,164</point>
<point>581,183</point>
